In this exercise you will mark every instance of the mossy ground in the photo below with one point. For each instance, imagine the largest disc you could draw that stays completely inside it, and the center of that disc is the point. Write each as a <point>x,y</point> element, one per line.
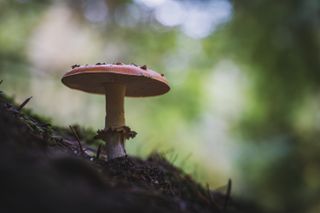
<point>44,169</point>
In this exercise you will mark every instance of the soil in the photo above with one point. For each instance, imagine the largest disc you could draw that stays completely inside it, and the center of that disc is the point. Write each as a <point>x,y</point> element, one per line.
<point>43,168</point>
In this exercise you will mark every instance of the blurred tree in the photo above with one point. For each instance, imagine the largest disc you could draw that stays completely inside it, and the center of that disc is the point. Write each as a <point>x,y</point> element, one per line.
<point>16,21</point>
<point>278,44</point>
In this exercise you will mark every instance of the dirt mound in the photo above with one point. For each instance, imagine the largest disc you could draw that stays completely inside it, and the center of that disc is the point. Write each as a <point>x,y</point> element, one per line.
<point>44,168</point>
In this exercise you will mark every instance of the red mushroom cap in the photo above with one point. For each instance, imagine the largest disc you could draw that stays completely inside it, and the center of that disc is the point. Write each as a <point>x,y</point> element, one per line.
<point>139,81</point>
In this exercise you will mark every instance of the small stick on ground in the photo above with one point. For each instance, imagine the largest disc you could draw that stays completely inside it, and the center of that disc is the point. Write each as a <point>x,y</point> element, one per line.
<point>227,195</point>
<point>185,159</point>
<point>77,137</point>
<point>98,151</point>
<point>174,158</point>
<point>209,193</point>
<point>23,103</point>
<point>1,81</point>
<point>211,199</point>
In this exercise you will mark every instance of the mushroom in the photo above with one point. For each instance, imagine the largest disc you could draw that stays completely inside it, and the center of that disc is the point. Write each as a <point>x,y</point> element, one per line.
<point>116,81</point>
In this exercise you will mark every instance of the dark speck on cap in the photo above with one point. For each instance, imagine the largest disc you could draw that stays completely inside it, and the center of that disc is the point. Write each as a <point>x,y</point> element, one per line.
<point>144,67</point>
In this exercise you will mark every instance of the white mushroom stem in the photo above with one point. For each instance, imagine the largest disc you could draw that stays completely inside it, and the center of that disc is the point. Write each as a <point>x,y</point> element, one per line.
<point>115,105</point>
<point>115,94</point>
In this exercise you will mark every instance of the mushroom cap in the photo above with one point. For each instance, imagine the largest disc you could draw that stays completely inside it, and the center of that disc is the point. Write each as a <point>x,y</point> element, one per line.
<point>139,81</point>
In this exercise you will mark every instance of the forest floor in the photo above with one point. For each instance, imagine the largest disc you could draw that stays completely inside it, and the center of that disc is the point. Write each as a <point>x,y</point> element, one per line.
<point>50,169</point>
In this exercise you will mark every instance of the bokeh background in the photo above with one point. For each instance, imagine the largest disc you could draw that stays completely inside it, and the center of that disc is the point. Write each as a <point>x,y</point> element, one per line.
<point>244,76</point>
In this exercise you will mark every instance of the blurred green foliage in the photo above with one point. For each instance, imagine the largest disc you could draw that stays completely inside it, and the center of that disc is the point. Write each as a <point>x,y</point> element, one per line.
<point>274,44</point>
<point>278,42</point>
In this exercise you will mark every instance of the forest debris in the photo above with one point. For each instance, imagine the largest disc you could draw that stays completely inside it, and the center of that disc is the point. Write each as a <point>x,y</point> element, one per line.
<point>75,65</point>
<point>19,108</point>
<point>98,151</point>
<point>78,139</point>
<point>144,67</point>
<point>227,197</point>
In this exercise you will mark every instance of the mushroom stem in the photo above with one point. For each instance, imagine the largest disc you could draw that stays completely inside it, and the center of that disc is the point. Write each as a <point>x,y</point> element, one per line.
<point>115,105</point>
<point>115,118</point>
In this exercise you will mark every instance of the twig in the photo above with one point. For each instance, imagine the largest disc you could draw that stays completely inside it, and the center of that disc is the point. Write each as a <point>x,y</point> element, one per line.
<point>98,151</point>
<point>211,199</point>
<point>227,195</point>
<point>174,158</point>
<point>168,151</point>
<point>185,159</point>
<point>209,193</point>
<point>1,81</point>
<point>23,103</point>
<point>77,137</point>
